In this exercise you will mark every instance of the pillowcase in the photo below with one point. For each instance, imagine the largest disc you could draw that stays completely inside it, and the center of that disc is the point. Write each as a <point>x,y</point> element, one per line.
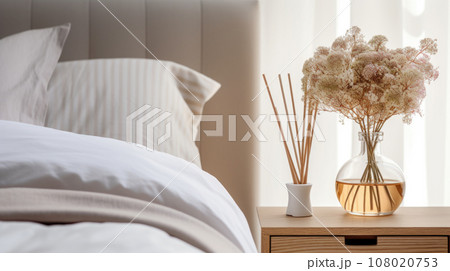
<point>27,63</point>
<point>136,100</point>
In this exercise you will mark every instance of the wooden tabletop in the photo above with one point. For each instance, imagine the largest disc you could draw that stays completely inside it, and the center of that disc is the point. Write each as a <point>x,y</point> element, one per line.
<point>406,220</point>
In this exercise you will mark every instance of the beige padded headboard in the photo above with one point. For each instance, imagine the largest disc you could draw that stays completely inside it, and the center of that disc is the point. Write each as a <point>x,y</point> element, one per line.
<point>219,38</point>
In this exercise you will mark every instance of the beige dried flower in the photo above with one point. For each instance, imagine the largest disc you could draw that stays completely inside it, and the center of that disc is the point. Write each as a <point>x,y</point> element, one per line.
<point>366,81</point>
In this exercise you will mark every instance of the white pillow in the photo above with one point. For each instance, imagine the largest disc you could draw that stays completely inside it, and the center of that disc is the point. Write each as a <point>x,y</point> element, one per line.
<point>27,61</point>
<point>137,100</point>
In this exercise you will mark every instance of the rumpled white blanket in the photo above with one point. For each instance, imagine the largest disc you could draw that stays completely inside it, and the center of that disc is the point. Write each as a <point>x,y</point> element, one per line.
<point>39,157</point>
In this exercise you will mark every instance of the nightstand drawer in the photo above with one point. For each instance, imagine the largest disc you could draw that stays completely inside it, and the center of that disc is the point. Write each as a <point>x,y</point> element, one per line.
<point>391,244</point>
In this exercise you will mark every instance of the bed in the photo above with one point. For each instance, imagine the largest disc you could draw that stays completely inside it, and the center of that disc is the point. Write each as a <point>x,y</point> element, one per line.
<point>118,159</point>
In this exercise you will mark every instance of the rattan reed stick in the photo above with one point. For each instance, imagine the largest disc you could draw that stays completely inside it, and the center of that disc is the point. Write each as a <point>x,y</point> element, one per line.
<point>301,151</point>
<point>288,153</point>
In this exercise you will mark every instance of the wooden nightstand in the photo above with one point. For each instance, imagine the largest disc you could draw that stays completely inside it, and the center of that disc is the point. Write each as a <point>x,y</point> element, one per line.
<point>410,229</point>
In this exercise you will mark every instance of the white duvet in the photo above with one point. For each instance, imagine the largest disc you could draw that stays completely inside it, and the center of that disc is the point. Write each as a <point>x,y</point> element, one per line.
<point>39,157</point>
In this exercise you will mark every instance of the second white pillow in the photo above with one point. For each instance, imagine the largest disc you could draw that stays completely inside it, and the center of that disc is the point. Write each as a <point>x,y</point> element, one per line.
<point>137,100</point>
<point>27,61</point>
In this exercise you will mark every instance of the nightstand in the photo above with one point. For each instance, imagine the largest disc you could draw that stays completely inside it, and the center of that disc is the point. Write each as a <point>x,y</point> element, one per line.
<point>408,230</point>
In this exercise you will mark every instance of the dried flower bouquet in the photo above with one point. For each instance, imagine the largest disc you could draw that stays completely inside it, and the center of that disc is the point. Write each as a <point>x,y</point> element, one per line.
<point>369,83</point>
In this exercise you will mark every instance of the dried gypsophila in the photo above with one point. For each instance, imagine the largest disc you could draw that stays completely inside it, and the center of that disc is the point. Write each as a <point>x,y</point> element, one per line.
<point>366,80</point>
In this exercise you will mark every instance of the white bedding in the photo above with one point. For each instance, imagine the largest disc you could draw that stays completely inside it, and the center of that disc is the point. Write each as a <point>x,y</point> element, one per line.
<point>87,237</point>
<point>39,157</point>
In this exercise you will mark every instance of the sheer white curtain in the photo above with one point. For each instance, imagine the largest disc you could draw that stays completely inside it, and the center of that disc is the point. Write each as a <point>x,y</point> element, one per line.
<point>292,29</point>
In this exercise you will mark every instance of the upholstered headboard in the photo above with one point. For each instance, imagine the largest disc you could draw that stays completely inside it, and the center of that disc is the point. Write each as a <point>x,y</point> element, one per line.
<point>219,38</point>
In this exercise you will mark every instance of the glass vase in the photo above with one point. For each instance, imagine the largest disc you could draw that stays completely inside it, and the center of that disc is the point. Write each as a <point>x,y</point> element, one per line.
<point>370,184</point>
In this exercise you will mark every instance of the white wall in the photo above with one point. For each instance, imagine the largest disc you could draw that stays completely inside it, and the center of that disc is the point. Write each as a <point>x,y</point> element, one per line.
<point>291,30</point>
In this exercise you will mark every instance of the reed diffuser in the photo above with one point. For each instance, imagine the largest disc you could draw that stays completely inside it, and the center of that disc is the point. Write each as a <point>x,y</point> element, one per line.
<point>297,145</point>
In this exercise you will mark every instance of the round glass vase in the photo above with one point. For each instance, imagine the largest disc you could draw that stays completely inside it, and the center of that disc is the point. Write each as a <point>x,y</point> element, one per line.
<point>370,184</point>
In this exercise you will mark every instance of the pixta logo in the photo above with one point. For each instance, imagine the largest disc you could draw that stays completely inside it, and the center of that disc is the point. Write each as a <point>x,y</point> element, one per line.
<point>148,126</point>
<point>251,128</point>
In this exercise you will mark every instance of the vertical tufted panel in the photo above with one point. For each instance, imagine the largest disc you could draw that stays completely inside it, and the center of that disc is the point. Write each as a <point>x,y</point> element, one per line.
<point>180,30</point>
<point>109,39</point>
<point>14,16</point>
<point>230,55</point>
<point>48,13</point>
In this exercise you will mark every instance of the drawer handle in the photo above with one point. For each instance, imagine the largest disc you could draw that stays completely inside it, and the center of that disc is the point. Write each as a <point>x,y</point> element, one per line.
<point>359,240</point>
